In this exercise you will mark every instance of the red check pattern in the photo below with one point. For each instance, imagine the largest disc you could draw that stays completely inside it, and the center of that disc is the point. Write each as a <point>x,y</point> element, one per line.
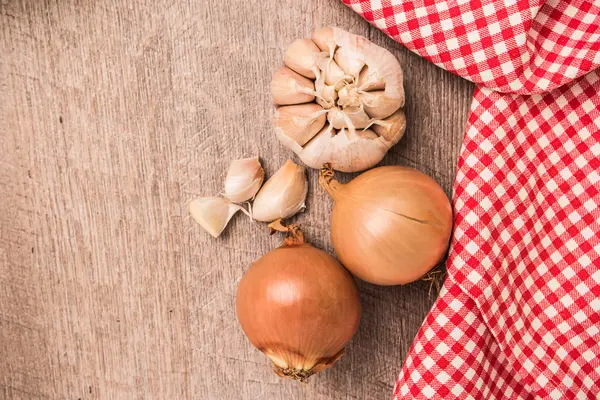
<point>519,314</point>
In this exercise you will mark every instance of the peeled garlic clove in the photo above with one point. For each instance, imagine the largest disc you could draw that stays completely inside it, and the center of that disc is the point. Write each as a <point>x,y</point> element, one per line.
<point>283,195</point>
<point>369,79</point>
<point>243,180</point>
<point>378,105</point>
<point>289,87</point>
<point>300,122</point>
<point>392,128</point>
<point>300,57</point>
<point>213,213</point>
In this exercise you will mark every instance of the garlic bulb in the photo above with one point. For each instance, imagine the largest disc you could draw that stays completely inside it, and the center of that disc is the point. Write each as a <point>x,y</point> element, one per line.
<point>283,195</point>
<point>351,115</point>
<point>214,213</point>
<point>243,180</point>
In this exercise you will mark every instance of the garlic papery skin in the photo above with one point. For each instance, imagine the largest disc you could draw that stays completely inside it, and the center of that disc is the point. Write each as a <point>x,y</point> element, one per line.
<point>283,195</point>
<point>244,178</point>
<point>213,213</point>
<point>359,86</point>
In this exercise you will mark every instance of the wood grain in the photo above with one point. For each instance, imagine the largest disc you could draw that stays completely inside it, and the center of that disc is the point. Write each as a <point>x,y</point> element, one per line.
<point>113,116</point>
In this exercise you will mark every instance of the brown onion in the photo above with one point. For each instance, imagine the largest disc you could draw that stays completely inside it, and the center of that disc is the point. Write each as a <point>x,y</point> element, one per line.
<point>390,225</point>
<point>299,306</point>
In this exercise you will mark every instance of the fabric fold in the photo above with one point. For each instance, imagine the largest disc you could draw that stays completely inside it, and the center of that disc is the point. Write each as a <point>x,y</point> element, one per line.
<point>522,46</point>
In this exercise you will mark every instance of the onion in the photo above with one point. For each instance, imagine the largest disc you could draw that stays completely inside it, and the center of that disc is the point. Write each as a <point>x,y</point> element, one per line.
<point>390,225</point>
<point>299,306</point>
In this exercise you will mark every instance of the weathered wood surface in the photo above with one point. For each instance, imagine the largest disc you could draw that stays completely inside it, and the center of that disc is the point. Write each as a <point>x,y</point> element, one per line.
<point>113,115</point>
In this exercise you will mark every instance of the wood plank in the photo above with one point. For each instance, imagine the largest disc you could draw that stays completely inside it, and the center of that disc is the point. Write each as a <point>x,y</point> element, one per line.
<point>113,117</point>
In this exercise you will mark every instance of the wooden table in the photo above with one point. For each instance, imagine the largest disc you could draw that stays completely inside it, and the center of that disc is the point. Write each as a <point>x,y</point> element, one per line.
<point>113,116</point>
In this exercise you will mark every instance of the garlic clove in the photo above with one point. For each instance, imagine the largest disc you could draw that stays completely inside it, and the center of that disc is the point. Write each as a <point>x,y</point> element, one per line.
<point>323,37</point>
<point>358,116</point>
<point>244,178</point>
<point>369,80</point>
<point>350,118</point>
<point>367,134</point>
<point>300,122</point>
<point>392,128</point>
<point>346,151</point>
<point>283,195</point>
<point>289,87</point>
<point>300,57</point>
<point>336,118</point>
<point>349,96</point>
<point>328,97</point>
<point>349,56</point>
<point>214,213</point>
<point>327,94</point>
<point>378,105</point>
<point>331,71</point>
<point>383,66</point>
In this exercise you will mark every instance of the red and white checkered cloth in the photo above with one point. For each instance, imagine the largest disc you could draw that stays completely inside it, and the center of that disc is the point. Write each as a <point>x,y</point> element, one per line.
<point>519,314</point>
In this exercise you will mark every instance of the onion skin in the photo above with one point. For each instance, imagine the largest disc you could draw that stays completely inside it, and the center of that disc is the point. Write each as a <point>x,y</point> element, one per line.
<point>299,306</point>
<point>390,225</point>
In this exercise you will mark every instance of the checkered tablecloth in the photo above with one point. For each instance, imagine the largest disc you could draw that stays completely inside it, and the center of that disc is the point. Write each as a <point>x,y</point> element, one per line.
<point>519,314</point>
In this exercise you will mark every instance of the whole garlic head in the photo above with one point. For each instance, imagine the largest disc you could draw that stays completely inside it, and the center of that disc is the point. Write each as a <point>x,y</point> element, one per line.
<point>351,116</point>
<point>244,178</point>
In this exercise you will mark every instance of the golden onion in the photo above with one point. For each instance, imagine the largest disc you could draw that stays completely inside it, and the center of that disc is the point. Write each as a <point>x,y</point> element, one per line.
<point>299,306</point>
<point>390,225</point>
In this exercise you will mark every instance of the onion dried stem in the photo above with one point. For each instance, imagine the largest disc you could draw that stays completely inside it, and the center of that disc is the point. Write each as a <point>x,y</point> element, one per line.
<point>328,182</point>
<point>294,236</point>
